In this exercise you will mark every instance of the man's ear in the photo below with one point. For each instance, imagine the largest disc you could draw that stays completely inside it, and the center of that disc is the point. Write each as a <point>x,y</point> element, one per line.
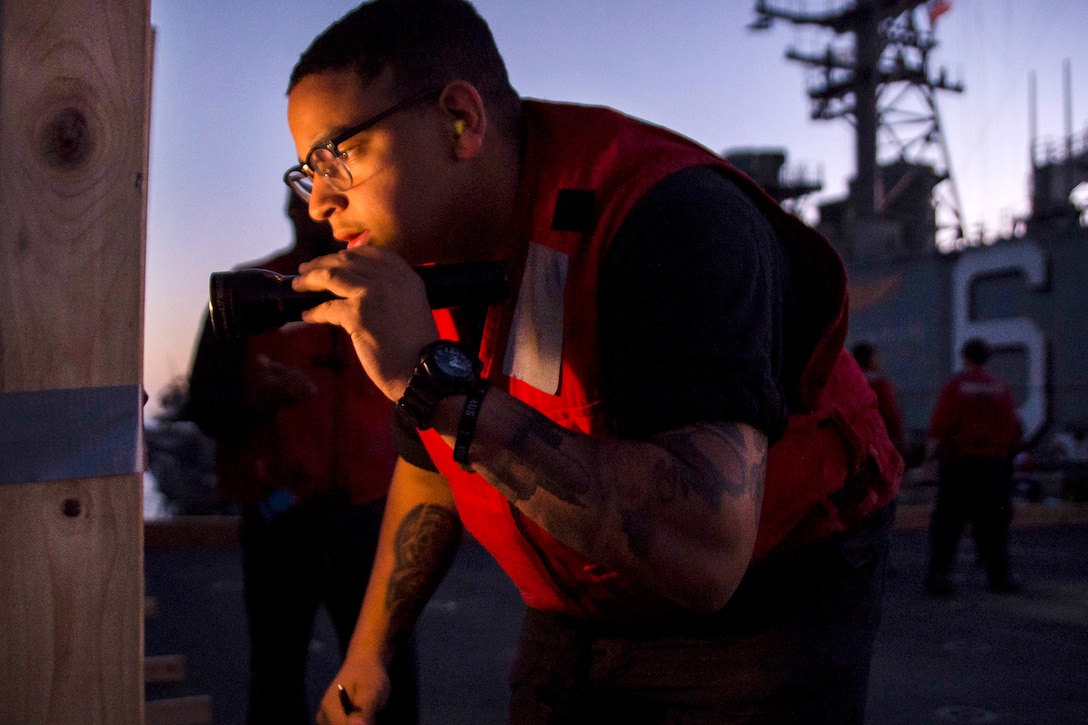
<point>468,120</point>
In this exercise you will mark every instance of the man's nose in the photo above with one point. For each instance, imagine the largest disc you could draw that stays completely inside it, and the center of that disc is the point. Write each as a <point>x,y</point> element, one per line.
<point>324,200</point>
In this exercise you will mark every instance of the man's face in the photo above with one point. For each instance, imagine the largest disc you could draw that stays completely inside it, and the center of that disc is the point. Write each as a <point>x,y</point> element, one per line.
<point>400,168</point>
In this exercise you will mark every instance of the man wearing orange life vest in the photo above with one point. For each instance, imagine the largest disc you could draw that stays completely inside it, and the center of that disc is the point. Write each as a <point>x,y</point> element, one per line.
<point>974,432</point>
<point>605,431</point>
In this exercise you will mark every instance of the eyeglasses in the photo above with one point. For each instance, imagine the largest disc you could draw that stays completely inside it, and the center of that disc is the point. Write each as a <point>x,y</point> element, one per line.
<point>328,161</point>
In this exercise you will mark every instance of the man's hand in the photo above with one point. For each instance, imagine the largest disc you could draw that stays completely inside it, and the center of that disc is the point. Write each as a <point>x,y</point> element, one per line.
<point>365,686</point>
<point>384,309</point>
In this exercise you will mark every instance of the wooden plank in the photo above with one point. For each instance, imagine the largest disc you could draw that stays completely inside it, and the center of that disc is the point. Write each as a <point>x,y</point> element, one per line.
<point>74,108</point>
<point>1024,515</point>
<point>164,668</point>
<point>192,710</point>
<point>1032,515</point>
<point>192,532</point>
<point>72,192</point>
<point>71,594</point>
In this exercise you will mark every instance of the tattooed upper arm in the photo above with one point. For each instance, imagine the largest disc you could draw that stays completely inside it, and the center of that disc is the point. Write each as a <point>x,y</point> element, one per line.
<point>712,461</point>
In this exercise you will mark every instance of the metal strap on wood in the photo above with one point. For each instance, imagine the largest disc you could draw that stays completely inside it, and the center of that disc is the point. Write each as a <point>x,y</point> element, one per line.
<point>50,435</point>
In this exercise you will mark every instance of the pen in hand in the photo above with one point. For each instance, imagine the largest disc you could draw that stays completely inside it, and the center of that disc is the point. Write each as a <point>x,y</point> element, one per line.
<point>345,700</point>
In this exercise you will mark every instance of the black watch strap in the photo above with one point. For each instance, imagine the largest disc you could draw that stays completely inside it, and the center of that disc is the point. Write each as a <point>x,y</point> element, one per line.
<point>418,405</point>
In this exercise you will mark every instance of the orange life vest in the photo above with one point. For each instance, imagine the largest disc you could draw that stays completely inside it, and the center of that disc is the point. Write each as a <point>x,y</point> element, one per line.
<point>542,347</point>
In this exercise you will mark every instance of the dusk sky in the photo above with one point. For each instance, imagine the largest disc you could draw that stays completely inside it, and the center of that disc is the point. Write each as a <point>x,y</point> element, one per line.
<point>220,143</point>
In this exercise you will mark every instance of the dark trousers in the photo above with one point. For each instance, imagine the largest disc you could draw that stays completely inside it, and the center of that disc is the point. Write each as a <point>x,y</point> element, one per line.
<point>792,646</point>
<point>317,552</point>
<point>979,490</point>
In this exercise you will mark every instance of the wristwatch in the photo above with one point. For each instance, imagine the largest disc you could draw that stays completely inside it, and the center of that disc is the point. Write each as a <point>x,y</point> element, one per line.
<point>445,368</point>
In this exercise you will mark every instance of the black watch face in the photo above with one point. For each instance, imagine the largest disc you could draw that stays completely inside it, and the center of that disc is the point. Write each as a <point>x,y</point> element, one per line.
<point>454,362</point>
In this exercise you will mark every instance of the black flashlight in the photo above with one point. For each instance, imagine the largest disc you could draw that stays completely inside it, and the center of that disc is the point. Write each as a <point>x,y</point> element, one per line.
<point>249,301</point>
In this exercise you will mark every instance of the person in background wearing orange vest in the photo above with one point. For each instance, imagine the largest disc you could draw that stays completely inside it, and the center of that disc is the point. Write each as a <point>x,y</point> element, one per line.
<point>886,400</point>
<point>304,447</point>
<point>974,433</point>
<point>604,431</point>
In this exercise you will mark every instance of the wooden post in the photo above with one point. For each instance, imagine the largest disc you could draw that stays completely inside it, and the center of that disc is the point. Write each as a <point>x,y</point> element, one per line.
<point>74,111</point>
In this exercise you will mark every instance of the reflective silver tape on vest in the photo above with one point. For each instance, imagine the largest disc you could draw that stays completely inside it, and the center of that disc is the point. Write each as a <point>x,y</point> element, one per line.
<point>50,435</point>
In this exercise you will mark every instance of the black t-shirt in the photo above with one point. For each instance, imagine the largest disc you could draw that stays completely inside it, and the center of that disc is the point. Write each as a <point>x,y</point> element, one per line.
<point>690,298</point>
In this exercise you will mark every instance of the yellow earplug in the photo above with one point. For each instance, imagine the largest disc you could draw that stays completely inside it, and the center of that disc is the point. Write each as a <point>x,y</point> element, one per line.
<point>459,126</point>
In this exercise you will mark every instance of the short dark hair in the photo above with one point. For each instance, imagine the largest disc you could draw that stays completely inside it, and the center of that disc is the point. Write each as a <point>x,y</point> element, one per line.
<point>976,351</point>
<point>427,43</point>
<point>863,352</point>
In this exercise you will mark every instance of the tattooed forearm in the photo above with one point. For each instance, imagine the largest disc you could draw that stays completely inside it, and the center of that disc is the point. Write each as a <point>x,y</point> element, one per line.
<point>424,548</point>
<point>690,469</point>
<point>678,512</point>
<point>520,468</point>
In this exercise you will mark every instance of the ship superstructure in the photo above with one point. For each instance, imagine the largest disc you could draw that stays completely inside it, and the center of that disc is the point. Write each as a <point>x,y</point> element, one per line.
<point>919,288</point>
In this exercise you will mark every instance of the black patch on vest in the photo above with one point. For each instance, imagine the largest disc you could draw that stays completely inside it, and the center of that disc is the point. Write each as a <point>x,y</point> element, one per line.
<point>574,211</point>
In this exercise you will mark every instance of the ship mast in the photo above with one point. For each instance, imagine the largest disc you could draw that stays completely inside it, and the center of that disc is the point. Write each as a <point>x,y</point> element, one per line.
<point>875,73</point>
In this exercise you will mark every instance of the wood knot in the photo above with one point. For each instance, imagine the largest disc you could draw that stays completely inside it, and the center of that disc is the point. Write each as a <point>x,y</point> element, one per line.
<point>65,139</point>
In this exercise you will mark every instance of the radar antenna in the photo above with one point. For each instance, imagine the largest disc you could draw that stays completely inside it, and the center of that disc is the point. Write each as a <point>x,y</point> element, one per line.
<point>875,73</point>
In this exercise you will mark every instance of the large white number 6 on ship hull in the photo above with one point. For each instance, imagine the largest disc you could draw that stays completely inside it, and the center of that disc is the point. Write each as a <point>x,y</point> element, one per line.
<point>1013,332</point>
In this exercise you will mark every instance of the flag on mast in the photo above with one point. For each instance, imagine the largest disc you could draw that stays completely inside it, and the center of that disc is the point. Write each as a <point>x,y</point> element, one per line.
<point>937,8</point>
